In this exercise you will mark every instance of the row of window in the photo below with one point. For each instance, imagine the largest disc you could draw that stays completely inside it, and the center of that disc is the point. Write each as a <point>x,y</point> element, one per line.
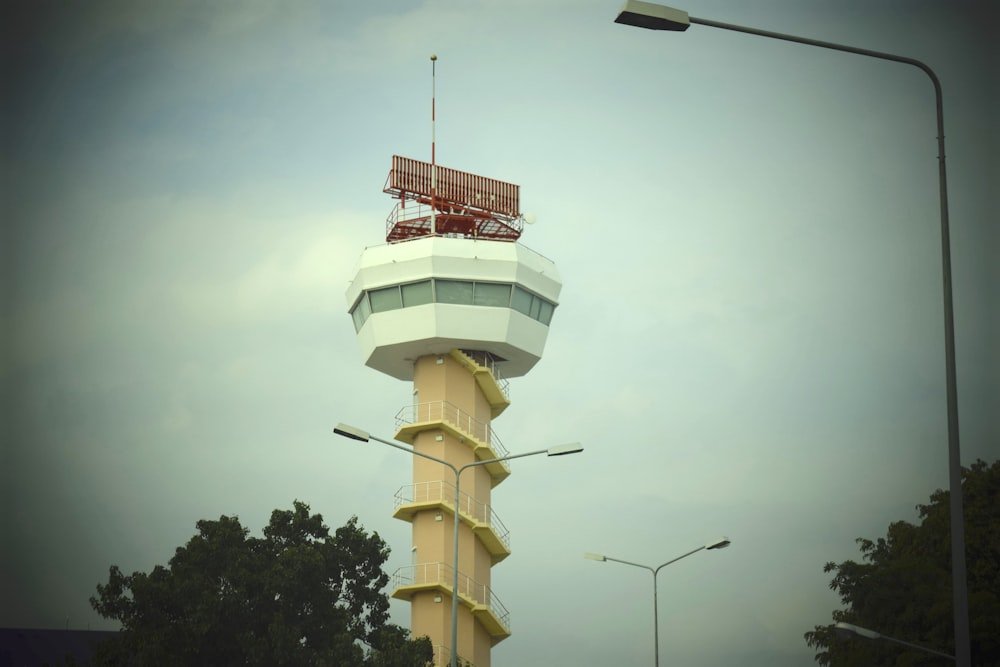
<point>464,292</point>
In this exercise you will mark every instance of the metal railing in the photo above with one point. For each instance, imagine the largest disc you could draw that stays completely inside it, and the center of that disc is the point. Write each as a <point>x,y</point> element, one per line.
<point>414,212</point>
<point>448,412</point>
<point>486,360</point>
<point>442,657</point>
<point>444,492</point>
<point>440,574</point>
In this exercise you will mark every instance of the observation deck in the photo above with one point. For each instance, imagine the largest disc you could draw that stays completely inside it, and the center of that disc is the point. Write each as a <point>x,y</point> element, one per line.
<point>485,372</point>
<point>445,416</point>
<point>479,516</point>
<point>486,607</point>
<point>442,657</point>
<point>433,295</point>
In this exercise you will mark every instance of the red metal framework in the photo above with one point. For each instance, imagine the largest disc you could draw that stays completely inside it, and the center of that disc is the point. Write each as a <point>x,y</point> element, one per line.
<point>461,203</point>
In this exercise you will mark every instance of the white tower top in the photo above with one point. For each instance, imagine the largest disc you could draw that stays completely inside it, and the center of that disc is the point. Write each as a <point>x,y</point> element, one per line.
<point>432,295</point>
<point>467,285</point>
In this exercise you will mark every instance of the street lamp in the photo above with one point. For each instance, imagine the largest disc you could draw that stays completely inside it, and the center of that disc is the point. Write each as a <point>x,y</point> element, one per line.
<point>849,630</point>
<point>658,17</point>
<point>720,543</point>
<point>363,436</point>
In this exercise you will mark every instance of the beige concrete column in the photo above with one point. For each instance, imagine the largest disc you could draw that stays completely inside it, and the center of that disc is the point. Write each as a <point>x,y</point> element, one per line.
<point>445,389</point>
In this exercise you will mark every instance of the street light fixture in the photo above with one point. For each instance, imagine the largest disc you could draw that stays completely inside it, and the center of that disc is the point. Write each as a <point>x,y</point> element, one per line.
<point>720,543</point>
<point>850,630</point>
<point>659,17</point>
<point>355,433</point>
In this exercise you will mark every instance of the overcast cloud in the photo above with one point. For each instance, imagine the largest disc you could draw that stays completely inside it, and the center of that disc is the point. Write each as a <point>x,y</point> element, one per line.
<point>749,340</point>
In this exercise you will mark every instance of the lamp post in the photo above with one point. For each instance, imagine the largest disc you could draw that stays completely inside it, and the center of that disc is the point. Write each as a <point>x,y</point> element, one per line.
<point>720,543</point>
<point>658,17</point>
<point>850,630</point>
<point>363,436</point>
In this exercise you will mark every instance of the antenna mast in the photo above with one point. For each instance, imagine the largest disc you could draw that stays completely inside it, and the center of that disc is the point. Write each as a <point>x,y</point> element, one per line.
<point>472,207</point>
<point>433,161</point>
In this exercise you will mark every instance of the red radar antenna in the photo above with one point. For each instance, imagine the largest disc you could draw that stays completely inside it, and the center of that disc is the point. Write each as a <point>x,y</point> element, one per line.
<point>449,202</point>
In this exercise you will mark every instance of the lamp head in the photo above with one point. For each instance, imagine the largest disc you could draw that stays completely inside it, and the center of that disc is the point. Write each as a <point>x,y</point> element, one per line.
<point>591,556</point>
<point>351,432</point>
<point>720,543</point>
<point>850,630</point>
<point>652,16</point>
<point>563,450</point>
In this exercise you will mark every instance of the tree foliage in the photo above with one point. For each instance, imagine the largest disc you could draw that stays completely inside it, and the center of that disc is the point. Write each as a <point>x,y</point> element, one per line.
<point>902,587</point>
<point>296,596</point>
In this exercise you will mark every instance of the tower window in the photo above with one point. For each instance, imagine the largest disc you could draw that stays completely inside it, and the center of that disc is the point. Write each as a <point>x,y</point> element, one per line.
<point>461,292</point>
<point>361,311</point>
<point>545,311</point>
<point>417,294</point>
<point>453,291</point>
<point>385,299</point>
<point>532,305</point>
<point>521,301</point>
<point>491,294</point>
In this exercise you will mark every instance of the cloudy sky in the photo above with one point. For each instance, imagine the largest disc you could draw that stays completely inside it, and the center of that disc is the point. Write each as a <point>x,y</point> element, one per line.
<point>749,340</point>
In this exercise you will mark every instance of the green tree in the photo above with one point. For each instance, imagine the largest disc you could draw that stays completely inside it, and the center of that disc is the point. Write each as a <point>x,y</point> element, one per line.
<point>902,586</point>
<point>298,596</point>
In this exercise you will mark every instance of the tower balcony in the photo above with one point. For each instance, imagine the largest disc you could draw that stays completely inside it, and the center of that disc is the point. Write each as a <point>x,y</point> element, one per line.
<point>445,416</point>
<point>442,657</point>
<point>483,367</point>
<point>485,523</point>
<point>484,604</point>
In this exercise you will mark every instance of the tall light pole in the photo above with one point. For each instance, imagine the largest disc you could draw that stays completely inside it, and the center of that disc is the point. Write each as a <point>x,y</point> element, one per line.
<point>720,543</point>
<point>358,434</point>
<point>851,630</point>
<point>658,17</point>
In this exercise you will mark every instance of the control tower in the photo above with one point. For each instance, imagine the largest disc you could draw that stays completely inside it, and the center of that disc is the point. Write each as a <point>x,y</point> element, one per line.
<point>453,303</point>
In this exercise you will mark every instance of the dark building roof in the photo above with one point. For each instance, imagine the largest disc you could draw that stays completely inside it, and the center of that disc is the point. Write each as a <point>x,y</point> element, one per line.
<point>30,647</point>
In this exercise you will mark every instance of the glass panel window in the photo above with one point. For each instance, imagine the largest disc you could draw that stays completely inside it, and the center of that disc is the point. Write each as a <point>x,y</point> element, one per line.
<point>521,301</point>
<point>453,291</point>
<point>545,314</point>
<point>492,294</point>
<point>364,307</point>
<point>464,292</point>
<point>385,299</point>
<point>417,294</point>
<point>536,307</point>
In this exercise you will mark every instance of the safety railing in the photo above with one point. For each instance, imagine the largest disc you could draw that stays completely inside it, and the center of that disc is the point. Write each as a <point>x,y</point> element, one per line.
<point>498,609</point>
<point>448,412</point>
<point>441,574</point>
<point>486,360</point>
<point>443,492</point>
<point>442,657</point>
<point>415,215</point>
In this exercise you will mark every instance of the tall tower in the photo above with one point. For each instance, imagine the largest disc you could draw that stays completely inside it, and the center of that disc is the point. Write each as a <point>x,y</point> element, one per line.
<point>453,303</point>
